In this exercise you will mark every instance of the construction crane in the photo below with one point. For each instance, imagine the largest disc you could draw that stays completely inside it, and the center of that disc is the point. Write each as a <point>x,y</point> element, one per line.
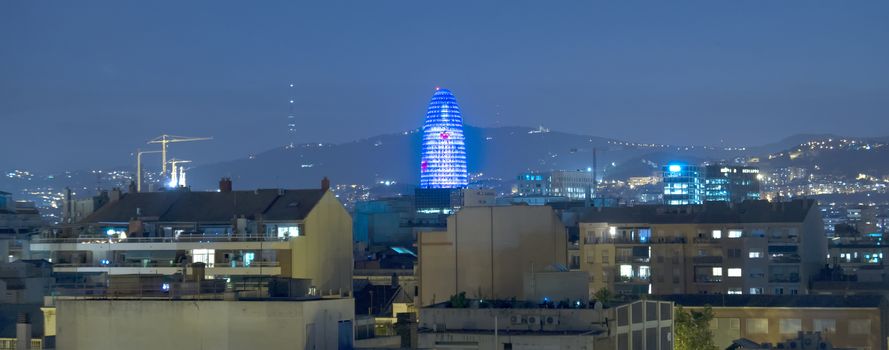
<point>139,154</point>
<point>165,139</point>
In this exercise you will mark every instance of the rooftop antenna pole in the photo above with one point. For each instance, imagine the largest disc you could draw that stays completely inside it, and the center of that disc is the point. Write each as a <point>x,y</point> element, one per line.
<point>291,117</point>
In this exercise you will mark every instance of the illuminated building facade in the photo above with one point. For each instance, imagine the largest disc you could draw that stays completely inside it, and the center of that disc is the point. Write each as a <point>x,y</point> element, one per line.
<point>683,184</point>
<point>731,183</point>
<point>443,163</point>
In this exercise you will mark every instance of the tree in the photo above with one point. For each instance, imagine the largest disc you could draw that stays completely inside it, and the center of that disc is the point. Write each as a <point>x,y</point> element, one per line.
<point>603,296</point>
<point>459,301</point>
<point>692,329</point>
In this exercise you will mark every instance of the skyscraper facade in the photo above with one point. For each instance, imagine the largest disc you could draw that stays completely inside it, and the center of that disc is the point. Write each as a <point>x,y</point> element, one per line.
<point>725,183</point>
<point>443,163</point>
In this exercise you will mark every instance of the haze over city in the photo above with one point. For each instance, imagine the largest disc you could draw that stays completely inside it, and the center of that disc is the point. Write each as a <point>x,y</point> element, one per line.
<point>90,82</point>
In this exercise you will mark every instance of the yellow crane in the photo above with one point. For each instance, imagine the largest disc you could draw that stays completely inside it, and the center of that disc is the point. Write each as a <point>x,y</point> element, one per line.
<point>165,139</point>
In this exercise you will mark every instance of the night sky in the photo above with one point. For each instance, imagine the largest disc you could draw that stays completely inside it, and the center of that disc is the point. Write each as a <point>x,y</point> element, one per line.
<point>84,83</point>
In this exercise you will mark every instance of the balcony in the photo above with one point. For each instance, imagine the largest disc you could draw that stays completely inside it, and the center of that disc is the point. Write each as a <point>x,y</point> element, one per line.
<point>785,259</point>
<point>256,268</point>
<point>183,242</point>
<point>793,278</point>
<point>632,259</point>
<point>707,260</point>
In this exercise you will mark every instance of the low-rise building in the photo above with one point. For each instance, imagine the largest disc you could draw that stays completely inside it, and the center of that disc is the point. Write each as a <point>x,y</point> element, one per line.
<point>846,322</point>
<point>497,324</point>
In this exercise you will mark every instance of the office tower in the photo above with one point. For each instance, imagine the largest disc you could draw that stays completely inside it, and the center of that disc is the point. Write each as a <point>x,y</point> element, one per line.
<point>683,184</point>
<point>443,163</point>
<point>733,184</point>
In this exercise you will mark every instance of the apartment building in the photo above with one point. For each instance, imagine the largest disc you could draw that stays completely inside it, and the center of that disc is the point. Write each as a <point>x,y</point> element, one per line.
<point>238,235</point>
<point>754,247</point>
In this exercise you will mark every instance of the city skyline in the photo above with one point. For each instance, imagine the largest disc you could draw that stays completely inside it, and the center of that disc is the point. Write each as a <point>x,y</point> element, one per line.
<point>622,71</point>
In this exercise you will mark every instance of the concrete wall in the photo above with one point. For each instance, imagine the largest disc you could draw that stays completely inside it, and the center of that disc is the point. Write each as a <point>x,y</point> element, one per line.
<point>486,251</point>
<point>324,254</point>
<point>214,324</point>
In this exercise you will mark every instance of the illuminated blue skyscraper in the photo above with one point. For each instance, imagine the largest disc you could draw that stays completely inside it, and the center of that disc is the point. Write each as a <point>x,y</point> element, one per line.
<point>443,163</point>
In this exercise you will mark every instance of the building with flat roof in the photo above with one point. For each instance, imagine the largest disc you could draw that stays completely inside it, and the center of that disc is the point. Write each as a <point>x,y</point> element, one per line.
<point>239,235</point>
<point>19,221</point>
<point>847,322</point>
<point>755,247</point>
<point>569,184</point>
<point>683,184</point>
<point>486,251</point>
<point>728,183</point>
<point>204,323</point>
<point>498,324</point>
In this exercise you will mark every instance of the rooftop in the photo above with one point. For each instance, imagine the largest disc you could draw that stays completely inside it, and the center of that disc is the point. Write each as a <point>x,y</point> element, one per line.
<point>187,206</point>
<point>710,213</point>
<point>788,301</point>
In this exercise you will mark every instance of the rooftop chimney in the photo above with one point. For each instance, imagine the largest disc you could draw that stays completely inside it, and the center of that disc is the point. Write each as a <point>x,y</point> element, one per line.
<point>115,194</point>
<point>325,184</point>
<point>225,184</point>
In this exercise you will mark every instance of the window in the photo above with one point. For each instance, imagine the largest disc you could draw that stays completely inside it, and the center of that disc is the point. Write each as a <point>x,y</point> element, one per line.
<point>626,271</point>
<point>735,291</point>
<point>717,234</point>
<point>859,326</point>
<point>757,326</point>
<point>206,256</point>
<point>248,258</point>
<point>779,290</point>
<point>605,259</point>
<point>734,233</point>
<point>287,231</point>
<point>755,290</point>
<point>825,325</point>
<point>790,325</point>
<point>735,272</point>
<point>754,254</point>
<point>589,259</point>
<point>717,271</point>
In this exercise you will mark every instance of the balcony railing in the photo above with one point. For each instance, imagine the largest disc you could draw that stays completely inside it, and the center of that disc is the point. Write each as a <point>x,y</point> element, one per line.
<point>253,264</point>
<point>180,239</point>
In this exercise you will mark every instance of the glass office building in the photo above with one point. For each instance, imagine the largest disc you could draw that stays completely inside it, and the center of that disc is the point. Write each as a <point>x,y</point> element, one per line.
<point>683,184</point>
<point>443,163</point>
<point>733,184</point>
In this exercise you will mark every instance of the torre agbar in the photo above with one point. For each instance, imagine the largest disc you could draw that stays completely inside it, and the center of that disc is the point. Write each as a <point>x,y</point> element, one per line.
<point>444,151</point>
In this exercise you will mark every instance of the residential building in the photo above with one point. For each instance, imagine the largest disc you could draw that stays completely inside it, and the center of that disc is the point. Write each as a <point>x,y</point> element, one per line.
<point>726,183</point>
<point>683,184</point>
<point>499,324</point>
<point>846,322</point>
<point>239,235</point>
<point>19,221</point>
<point>486,251</point>
<point>755,247</point>
<point>23,284</point>
<point>229,320</point>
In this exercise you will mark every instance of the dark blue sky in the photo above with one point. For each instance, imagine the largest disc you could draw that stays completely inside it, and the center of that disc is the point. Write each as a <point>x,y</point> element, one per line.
<point>83,83</point>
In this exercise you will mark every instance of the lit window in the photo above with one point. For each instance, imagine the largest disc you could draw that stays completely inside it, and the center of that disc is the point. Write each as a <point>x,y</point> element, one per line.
<point>206,256</point>
<point>755,290</point>
<point>790,325</point>
<point>735,272</point>
<point>717,234</point>
<point>735,291</point>
<point>754,254</point>
<point>734,233</point>
<point>758,326</point>
<point>717,271</point>
<point>626,271</point>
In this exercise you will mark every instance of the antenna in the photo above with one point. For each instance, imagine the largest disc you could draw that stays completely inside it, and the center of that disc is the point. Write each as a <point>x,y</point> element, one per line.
<point>291,116</point>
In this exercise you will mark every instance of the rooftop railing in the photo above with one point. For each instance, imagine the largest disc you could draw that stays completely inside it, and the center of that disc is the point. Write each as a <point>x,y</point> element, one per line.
<point>180,239</point>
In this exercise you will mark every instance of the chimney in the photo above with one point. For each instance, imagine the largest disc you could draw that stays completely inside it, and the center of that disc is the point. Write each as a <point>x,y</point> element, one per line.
<point>225,185</point>
<point>325,184</point>
<point>23,332</point>
<point>114,196</point>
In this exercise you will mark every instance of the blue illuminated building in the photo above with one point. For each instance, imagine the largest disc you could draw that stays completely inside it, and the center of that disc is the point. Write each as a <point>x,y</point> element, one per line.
<point>683,184</point>
<point>443,163</point>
